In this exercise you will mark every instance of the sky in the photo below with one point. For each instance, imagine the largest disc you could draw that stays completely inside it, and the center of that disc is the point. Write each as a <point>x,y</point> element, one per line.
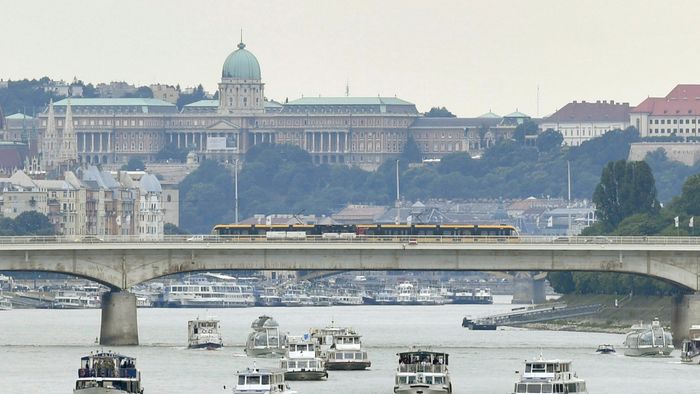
<point>469,56</point>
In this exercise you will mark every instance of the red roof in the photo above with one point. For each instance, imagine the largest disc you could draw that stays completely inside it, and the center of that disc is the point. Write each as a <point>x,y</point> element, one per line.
<point>591,112</point>
<point>682,100</point>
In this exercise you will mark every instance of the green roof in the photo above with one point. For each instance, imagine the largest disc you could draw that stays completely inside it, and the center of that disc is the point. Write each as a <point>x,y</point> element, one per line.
<point>114,102</point>
<point>241,64</point>
<point>18,116</point>
<point>348,101</point>
<point>516,114</point>
<point>490,115</point>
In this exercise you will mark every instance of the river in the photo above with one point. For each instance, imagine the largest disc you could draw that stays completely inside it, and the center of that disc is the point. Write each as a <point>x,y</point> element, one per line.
<point>40,350</point>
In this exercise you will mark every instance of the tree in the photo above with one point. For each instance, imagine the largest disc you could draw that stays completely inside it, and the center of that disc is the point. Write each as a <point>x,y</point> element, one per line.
<point>33,223</point>
<point>689,200</point>
<point>206,198</point>
<point>625,188</point>
<point>411,153</point>
<point>171,152</point>
<point>171,229</point>
<point>134,164</point>
<point>528,127</point>
<point>141,92</point>
<point>196,95</point>
<point>459,162</point>
<point>439,112</point>
<point>549,140</point>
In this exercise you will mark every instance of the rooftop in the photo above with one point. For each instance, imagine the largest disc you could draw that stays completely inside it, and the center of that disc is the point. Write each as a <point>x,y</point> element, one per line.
<point>348,101</point>
<point>113,102</point>
<point>684,99</point>
<point>18,116</point>
<point>587,112</point>
<point>426,122</point>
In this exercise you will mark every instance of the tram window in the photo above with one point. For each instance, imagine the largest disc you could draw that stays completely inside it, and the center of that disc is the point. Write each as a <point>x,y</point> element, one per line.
<point>534,388</point>
<point>547,388</point>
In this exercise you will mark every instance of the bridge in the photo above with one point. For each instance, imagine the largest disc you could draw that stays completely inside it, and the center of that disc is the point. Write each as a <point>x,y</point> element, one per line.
<point>121,262</point>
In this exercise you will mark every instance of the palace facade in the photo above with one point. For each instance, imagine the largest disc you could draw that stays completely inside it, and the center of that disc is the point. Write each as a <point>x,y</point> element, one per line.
<point>359,131</point>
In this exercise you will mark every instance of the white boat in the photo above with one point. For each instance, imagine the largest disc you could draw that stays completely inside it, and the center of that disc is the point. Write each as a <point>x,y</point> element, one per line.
<point>76,299</point>
<point>346,299</point>
<point>405,294</point>
<point>648,340</point>
<point>302,361</point>
<point>341,348</point>
<point>262,381</point>
<point>209,295</point>
<point>429,296</point>
<point>108,373</point>
<point>690,350</point>
<point>422,372</point>
<point>266,339</point>
<point>204,334</point>
<point>549,376</point>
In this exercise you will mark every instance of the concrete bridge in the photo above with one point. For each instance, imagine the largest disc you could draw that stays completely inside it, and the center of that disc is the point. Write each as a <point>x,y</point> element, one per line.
<point>122,262</point>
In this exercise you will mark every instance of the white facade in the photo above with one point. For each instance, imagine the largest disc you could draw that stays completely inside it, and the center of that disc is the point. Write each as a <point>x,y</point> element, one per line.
<point>577,133</point>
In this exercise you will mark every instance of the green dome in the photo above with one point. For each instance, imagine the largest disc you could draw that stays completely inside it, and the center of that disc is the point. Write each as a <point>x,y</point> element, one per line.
<point>241,64</point>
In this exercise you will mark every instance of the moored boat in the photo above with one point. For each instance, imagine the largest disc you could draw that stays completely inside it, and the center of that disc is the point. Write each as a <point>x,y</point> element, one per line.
<point>266,339</point>
<point>108,373</point>
<point>5,303</point>
<point>605,349</point>
<point>261,381</point>
<point>650,340</point>
<point>204,334</point>
<point>422,372</point>
<point>549,376</point>
<point>690,349</point>
<point>301,361</point>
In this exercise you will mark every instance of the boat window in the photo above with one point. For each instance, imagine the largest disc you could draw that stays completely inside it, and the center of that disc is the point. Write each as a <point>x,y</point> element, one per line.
<point>253,379</point>
<point>582,387</point>
<point>550,368</point>
<point>411,379</point>
<point>558,388</point>
<point>547,388</point>
<point>428,379</point>
<point>528,367</point>
<point>302,364</point>
<point>538,368</point>
<point>439,379</point>
<point>358,356</point>
<point>571,387</point>
<point>520,388</point>
<point>241,379</point>
<point>266,379</point>
<point>534,388</point>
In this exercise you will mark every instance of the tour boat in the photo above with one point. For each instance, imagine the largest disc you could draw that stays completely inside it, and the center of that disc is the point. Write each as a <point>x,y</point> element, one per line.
<point>648,340</point>
<point>341,348</point>
<point>108,373</point>
<point>204,334</point>
<point>549,376</point>
<point>302,361</point>
<point>266,339</point>
<point>422,372</point>
<point>262,381</point>
<point>76,299</point>
<point>209,295</point>
<point>690,350</point>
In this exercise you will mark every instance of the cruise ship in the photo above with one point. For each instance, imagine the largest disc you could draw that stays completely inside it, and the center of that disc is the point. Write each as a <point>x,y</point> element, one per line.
<point>76,299</point>
<point>208,295</point>
<point>549,376</point>
<point>648,340</point>
<point>475,296</point>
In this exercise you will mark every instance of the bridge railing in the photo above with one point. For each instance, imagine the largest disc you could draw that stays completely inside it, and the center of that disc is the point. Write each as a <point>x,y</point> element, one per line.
<point>408,241</point>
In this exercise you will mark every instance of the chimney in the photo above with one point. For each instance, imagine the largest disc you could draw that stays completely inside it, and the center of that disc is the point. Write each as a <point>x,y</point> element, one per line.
<point>612,101</point>
<point>575,102</point>
<point>597,101</point>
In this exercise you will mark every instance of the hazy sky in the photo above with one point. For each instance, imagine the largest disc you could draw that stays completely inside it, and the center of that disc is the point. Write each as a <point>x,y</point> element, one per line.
<point>470,56</point>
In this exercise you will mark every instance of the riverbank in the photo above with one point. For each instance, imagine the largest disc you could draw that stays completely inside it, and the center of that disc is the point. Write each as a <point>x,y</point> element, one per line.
<point>611,319</point>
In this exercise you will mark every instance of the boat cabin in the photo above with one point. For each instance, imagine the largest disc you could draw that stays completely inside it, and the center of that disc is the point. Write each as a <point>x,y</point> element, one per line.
<point>348,341</point>
<point>549,376</point>
<point>301,347</point>
<point>206,326</point>
<point>423,361</point>
<point>256,380</point>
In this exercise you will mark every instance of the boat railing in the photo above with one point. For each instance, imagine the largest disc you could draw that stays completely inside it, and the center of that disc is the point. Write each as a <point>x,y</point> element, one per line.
<point>108,373</point>
<point>425,368</point>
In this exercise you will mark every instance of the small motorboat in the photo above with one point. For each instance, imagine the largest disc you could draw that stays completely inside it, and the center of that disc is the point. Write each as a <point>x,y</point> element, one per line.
<point>605,349</point>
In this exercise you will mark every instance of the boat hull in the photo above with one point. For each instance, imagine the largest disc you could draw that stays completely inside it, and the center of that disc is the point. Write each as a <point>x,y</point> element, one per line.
<point>99,390</point>
<point>207,345</point>
<point>305,375</point>
<point>649,352</point>
<point>422,389</point>
<point>265,353</point>
<point>346,366</point>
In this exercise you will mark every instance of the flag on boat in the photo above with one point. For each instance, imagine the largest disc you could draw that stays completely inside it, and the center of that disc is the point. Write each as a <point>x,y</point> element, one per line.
<point>676,221</point>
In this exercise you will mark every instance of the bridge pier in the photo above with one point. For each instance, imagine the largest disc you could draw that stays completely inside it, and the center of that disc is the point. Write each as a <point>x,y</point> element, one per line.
<point>119,323</point>
<point>528,290</point>
<point>686,312</point>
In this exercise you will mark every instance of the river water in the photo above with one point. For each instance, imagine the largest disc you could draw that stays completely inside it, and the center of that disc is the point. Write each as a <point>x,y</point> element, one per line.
<point>40,350</point>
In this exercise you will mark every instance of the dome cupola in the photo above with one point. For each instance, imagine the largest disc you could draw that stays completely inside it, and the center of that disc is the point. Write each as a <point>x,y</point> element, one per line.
<point>241,64</point>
